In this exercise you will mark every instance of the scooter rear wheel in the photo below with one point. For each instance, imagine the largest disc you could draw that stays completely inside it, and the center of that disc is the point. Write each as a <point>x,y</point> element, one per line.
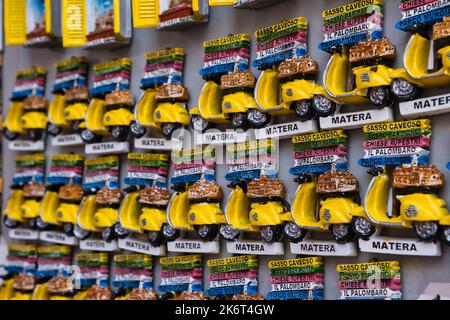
<point>80,233</point>
<point>239,120</point>
<point>40,224</point>
<point>342,232</point>
<point>108,234</point>
<point>68,229</point>
<point>53,129</point>
<point>155,238</point>
<point>169,233</point>
<point>168,129</point>
<point>199,124</point>
<point>136,130</point>
<point>76,126</point>
<point>120,231</point>
<point>258,119</point>
<point>89,137</point>
<point>9,135</point>
<point>10,223</point>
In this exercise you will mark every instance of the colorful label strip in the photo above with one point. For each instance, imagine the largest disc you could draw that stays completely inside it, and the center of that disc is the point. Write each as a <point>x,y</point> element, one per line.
<point>422,12</point>
<point>163,66</point>
<point>94,269</point>
<point>100,172</point>
<point>182,273</point>
<point>132,271</point>
<point>396,143</point>
<point>375,280</point>
<point>318,152</point>
<point>349,24</point>
<point>65,169</point>
<point>71,73</point>
<point>29,82</point>
<point>53,260</point>
<point>147,169</point>
<point>22,258</point>
<point>248,160</point>
<point>234,275</point>
<point>300,279</point>
<point>189,165</point>
<point>29,168</point>
<point>277,43</point>
<point>222,55</point>
<point>110,76</point>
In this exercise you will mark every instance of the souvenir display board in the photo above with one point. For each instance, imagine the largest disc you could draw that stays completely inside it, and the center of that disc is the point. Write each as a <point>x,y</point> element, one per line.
<point>202,176</point>
<point>370,281</point>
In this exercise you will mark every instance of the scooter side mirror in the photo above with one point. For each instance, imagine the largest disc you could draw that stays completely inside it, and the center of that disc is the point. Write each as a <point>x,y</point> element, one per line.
<point>88,192</point>
<point>375,171</point>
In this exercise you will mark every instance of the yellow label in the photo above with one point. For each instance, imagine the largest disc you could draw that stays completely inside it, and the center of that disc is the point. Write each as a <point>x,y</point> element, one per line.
<point>286,24</point>
<point>67,157</point>
<point>350,7</point>
<point>54,249</point>
<point>249,145</point>
<point>291,263</point>
<point>180,259</point>
<point>21,247</point>
<point>132,258</point>
<point>148,156</point>
<point>31,157</point>
<point>361,267</point>
<point>163,53</point>
<point>227,40</point>
<point>397,126</point>
<point>324,135</point>
<point>112,64</point>
<point>101,256</point>
<point>67,62</point>
<point>207,150</point>
<point>24,72</point>
<point>231,260</point>
<point>102,160</point>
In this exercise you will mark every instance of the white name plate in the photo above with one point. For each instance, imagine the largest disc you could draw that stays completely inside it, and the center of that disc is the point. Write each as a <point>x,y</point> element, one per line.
<point>215,137</point>
<point>400,246</point>
<point>26,145</point>
<point>98,245</point>
<point>67,140</point>
<point>425,106</point>
<point>140,246</point>
<point>107,147</point>
<point>157,144</point>
<point>355,120</point>
<point>58,237</point>
<point>286,130</point>
<point>23,234</point>
<point>193,246</point>
<point>324,248</point>
<point>255,247</point>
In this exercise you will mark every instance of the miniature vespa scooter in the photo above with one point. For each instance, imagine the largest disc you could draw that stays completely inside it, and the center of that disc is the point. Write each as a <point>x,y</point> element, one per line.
<point>70,101</point>
<point>162,105</point>
<point>285,86</point>
<point>374,82</point>
<point>257,206</point>
<point>227,96</point>
<point>415,201</point>
<point>427,58</point>
<point>329,203</point>
<point>197,208</point>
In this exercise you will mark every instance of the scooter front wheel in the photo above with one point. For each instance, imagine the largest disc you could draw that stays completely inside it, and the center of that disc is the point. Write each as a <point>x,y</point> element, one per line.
<point>80,233</point>
<point>53,129</point>
<point>40,224</point>
<point>271,234</point>
<point>258,119</point>
<point>446,235</point>
<point>10,135</point>
<point>120,231</point>
<point>294,232</point>
<point>404,90</point>
<point>362,227</point>
<point>426,230</point>
<point>89,137</point>
<point>108,234</point>
<point>239,120</point>
<point>342,232</point>
<point>228,232</point>
<point>303,109</point>
<point>76,126</point>
<point>168,129</point>
<point>36,134</point>
<point>120,133</point>
<point>155,238</point>
<point>68,229</point>
<point>136,130</point>
<point>323,106</point>
<point>169,233</point>
<point>199,124</point>
<point>208,232</point>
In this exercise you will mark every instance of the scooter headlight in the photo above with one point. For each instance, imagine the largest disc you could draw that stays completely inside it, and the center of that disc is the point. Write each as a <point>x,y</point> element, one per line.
<point>322,103</point>
<point>228,232</point>
<point>401,87</point>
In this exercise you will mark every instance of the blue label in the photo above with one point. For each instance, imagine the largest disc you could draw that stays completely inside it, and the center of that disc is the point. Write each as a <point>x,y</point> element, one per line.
<point>394,161</point>
<point>318,168</point>
<point>191,178</point>
<point>100,184</point>
<point>80,82</point>
<point>63,180</point>
<point>173,287</point>
<point>276,59</point>
<point>144,182</point>
<point>108,88</point>
<point>430,17</point>
<point>448,165</point>
<point>222,69</point>
<point>350,40</point>
<point>150,82</point>
<point>25,93</point>
<point>23,180</point>
<point>245,175</point>
<point>296,295</point>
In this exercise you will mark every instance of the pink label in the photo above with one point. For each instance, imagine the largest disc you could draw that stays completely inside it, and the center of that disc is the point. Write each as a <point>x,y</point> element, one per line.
<point>133,271</point>
<point>177,65</point>
<point>112,75</point>
<point>232,275</point>
<point>313,277</point>
<point>65,260</point>
<point>76,169</point>
<point>160,171</point>
<point>264,159</point>
<point>26,259</point>
<point>102,172</point>
<point>414,4</point>
<point>196,272</point>
<point>23,169</point>
<point>298,36</point>
<point>182,166</point>
<point>421,141</point>
<point>242,52</point>
<point>392,283</point>
<point>374,18</point>
<point>80,71</point>
<point>339,150</point>
<point>39,82</point>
